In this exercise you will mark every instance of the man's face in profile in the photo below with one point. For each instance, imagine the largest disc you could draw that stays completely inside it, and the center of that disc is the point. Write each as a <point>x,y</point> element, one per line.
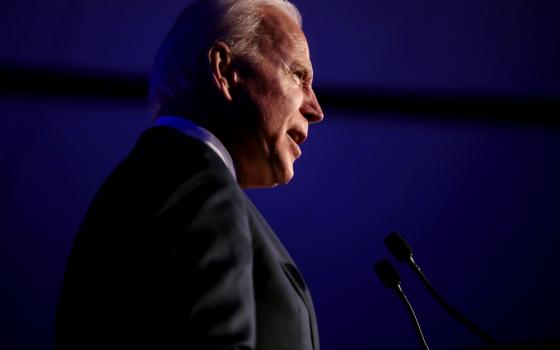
<point>278,94</point>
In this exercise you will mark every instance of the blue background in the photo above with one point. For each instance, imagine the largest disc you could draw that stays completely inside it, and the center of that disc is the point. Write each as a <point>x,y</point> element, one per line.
<point>477,197</point>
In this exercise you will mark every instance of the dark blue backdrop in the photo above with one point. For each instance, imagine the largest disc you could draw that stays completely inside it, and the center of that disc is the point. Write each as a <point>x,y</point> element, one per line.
<point>478,200</point>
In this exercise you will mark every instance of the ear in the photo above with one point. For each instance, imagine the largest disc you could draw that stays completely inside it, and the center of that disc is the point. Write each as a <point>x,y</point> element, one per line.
<point>224,76</point>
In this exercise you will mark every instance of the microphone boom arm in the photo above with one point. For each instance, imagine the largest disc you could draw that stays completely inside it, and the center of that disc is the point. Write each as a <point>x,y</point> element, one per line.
<point>452,311</point>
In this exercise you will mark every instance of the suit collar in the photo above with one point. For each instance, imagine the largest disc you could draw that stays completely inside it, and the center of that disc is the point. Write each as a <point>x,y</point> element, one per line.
<point>195,131</point>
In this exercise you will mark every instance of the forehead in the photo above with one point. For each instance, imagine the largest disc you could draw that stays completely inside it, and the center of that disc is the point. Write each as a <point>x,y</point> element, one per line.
<point>282,35</point>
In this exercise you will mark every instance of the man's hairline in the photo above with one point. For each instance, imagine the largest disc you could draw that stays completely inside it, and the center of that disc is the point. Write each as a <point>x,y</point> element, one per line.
<point>256,45</point>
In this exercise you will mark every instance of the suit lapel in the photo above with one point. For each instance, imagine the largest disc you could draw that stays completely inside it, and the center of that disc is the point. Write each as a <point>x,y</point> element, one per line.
<point>291,271</point>
<point>299,285</point>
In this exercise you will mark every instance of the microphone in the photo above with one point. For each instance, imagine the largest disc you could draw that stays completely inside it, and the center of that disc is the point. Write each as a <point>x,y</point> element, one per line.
<point>390,278</point>
<point>402,251</point>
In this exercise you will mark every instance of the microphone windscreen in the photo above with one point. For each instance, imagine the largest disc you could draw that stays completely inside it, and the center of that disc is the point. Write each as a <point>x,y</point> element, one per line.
<point>398,246</point>
<point>387,274</point>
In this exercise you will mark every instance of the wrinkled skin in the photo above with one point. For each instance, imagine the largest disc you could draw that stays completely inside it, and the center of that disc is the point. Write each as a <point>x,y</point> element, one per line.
<point>277,103</point>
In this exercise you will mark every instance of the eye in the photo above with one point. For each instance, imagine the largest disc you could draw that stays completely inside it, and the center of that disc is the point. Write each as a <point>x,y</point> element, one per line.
<point>302,78</point>
<point>298,75</point>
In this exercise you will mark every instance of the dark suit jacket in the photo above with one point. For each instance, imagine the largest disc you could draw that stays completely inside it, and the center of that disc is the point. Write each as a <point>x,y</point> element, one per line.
<point>173,255</point>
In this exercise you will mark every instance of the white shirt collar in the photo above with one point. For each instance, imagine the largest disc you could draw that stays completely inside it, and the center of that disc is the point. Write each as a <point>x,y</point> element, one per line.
<point>193,130</point>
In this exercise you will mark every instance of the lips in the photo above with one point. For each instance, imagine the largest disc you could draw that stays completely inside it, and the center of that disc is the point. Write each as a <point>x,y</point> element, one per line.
<point>297,136</point>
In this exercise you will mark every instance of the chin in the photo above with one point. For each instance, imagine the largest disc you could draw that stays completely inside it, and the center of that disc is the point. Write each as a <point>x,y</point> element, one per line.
<point>280,173</point>
<point>266,182</point>
<point>284,175</point>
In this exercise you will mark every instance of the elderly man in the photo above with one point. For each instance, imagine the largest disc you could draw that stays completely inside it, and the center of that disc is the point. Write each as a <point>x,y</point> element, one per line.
<point>171,253</point>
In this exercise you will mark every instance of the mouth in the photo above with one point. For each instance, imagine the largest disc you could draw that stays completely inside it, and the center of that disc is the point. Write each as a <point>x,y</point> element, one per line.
<point>296,140</point>
<point>297,136</point>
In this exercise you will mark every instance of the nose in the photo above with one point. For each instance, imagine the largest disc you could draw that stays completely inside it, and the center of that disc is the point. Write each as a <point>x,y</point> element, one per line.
<point>310,108</point>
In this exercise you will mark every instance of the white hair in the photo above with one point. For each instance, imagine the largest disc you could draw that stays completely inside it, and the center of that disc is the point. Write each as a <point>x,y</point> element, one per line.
<point>180,57</point>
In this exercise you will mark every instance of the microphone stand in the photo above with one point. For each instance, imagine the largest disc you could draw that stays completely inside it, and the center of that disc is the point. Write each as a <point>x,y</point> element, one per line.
<point>402,251</point>
<point>412,316</point>
<point>452,311</point>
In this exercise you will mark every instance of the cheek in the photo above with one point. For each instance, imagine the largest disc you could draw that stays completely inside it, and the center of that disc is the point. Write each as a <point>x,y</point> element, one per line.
<point>285,106</point>
<point>278,103</point>
<point>276,115</point>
